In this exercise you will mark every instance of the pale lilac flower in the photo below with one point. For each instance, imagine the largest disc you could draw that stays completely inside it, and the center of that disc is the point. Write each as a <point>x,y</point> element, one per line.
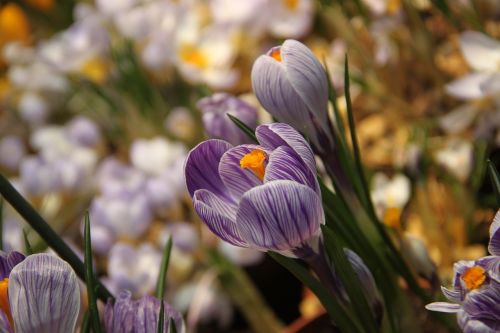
<point>217,124</point>
<point>33,108</point>
<point>12,150</point>
<point>290,19</point>
<point>184,236</point>
<point>117,179</point>
<point>156,155</point>
<point>457,158</point>
<point>83,131</point>
<point>240,256</point>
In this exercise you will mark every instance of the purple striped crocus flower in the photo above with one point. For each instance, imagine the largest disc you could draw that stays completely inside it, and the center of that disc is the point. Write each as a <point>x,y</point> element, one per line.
<point>126,315</point>
<point>475,295</point>
<point>263,196</point>
<point>39,293</point>
<point>291,84</point>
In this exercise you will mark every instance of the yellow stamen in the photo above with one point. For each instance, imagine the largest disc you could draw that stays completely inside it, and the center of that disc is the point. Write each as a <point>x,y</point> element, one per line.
<point>291,4</point>
<point>276,54</point>
<point>392,217</point>
<point>254,161</point>
<point>474,277</point>
<point>193,56</point>
<point>393,6</point>
<point>4,298</point>
<point>14,26</point>
<point>95,70</point>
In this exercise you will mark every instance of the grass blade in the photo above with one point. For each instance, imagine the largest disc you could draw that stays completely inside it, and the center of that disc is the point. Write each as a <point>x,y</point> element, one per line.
<point>1,223</point>
<point>161,318</point>
<point>171,327</point>
<point>38,224</point>
<point>89,278</point>
<point>85,323</point>
<point>248,131</point>
<point>27,246</point>
<point>160,283</point>
<point>495,180</point>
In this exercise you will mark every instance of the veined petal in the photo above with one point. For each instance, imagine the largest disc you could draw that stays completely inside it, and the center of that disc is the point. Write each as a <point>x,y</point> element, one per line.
<point>274,91</point>
<point>8,261</point>
<point>119,317</point>
<point>285,163</point>
<point>307,76</point>
<point>274,135</point>
<point>481,52</point>
<point>5,324</point>
<point>494,245</point>
<point>279,215</point>
<point>146,319</point>
<point>443,307</point>
<point>219,216</point>
<point>452,295</point>
<point>483,304</point>
<point>44,295</point>
<point>202,168</point>
<point>469,86</point>
<point>234,177</point>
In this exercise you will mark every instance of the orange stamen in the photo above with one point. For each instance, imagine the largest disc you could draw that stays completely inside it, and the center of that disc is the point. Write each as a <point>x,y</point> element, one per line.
<point>254,161</point>
<point>474,277</point>
<point>4,298</point>
<point>276,54</point>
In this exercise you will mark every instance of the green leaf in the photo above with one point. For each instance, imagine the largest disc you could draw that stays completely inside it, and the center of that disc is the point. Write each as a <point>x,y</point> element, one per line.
<point>495,180</point>
<point>160,283</point>
<point>350,280</point>
<point>1,223</point>
<point>172,327</point>
<point>27,246</point>
<point>161,317</point>
<point>38,224</point>
<point>337,312</point>
<point>85,322</point>
<point>332,96</point>
<point>244,127</point>
<point>89,278</point>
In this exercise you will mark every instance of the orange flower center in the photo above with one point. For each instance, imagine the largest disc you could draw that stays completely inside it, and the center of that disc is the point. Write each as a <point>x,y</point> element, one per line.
<point>4,298</point>
<point>392,217</point>
<point>474,277</point>
<point>291,4</point>
<point>276,54</point>
<point>254,161</point>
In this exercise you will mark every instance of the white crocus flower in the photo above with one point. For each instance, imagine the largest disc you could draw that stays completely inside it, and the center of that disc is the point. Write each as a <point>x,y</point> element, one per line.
<point>456,157</point>
<point>290,18</point>
<point>155,156</point>
<point>390,196</point>
<point>482,53</point>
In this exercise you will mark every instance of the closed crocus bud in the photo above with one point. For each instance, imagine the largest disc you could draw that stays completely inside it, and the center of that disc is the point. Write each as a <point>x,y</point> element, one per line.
<point>217,124</point>
<point>291,84</point>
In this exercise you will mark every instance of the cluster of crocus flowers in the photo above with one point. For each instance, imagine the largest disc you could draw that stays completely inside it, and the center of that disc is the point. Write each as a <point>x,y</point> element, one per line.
<point>475,295</point>
<point>39,293</point>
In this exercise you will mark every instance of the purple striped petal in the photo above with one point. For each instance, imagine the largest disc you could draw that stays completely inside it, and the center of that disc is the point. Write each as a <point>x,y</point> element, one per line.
<point>279,215</point>
<point>5,324</point>
<point>44,295</point>
<point>452,295</point>
<point>218,215</point>
<point>443,307</point>
<point>119,317</point>
<point>235,178</point>
<point>285,163</point>
<point>274,91</point>
<point>483,304</point>
<point>494,246</point>
<point>307,76</point>
<point>202,168</point>
<point>274,135</point>
<point>8,261</point>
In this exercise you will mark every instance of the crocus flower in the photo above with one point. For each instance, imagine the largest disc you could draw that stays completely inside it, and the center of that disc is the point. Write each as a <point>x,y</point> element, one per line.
<point>259,196</point>
<point>216,122</point>
<point>475,295</point>
<point>139,316</point>
<point>38,293</point>
<point>12,150</point>
<point>290,19</point>
<point>291,84</point>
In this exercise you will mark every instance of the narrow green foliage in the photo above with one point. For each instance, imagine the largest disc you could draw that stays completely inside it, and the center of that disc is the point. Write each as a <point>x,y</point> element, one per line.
<point>332,97</point>
<point>89,278</point>
<point>86,323</point>
<point>160,283</point>
<point>241,125</point>
<point>171,327</point>
<point>161,318</point>
<point>27,246</point>
<point>38,224</point>
<point>495,180</point>
<point>339,314</point>
<point>1,223</point>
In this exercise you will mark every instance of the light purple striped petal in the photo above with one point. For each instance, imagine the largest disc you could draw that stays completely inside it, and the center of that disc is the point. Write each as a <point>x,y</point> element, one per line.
<point>274,91</point>
<point>235,178</point>
<point>5,324</point>
<point>285,163</point>
<point>202,168</point>
<point>307,76</point>
<point>452,295</point>
<point>483,303</point>
<point>119,317</point>
<point>279,215</point>
<point>494,245</point>
<point>44,295</point>
<point>443,307</point>
<point>218,215</point>
<point>274,135</point>
<point>8,261</point>
<point>146,319</point>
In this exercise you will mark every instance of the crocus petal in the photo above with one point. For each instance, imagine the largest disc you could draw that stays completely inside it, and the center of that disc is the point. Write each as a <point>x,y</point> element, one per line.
<point>218,215</point>
<point>284,163</point>
<point>483,304</point>
<point>494,246</point>
<point>202,167</point>
<point>452,295</point>
<point>492,85</point>
<point>274,135</point>
<point>235,178</point>
<point>443,307</point>
<point>274,91</point>
<point>8,261</point>
<point>279,215</point>
<point>119,317</point>
<point>469,86</point>
<point>5,324</point>
<point>44,295</point>
<point>146,319</point>
<point>307,77</point>
<point>481,52</point>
